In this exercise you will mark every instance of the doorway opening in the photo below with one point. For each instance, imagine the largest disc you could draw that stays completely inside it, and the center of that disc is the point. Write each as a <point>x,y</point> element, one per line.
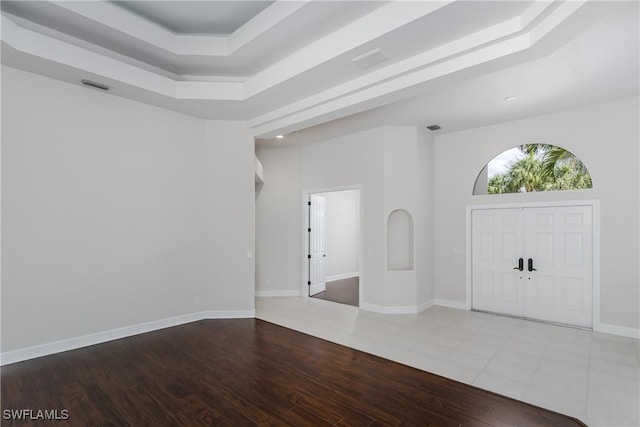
<point>332,245</point>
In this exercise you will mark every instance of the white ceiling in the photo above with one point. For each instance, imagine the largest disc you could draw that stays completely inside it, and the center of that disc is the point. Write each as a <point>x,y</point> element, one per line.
<point>286,66</point>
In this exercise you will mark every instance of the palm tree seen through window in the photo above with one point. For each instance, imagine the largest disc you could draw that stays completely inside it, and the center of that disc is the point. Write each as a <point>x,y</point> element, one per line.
<point>533,167</point>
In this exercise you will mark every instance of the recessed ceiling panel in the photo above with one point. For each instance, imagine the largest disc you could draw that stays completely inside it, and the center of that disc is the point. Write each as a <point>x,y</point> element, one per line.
<point>197,17</point>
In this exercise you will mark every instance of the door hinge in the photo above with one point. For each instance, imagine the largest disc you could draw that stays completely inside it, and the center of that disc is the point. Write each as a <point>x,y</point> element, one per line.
<point>309,283</point>
<point>309,256</point>
<point>309,230</point>
<point>309,203</point>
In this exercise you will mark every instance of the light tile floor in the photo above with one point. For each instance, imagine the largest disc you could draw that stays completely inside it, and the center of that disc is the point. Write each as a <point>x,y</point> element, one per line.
<point>592,376</point>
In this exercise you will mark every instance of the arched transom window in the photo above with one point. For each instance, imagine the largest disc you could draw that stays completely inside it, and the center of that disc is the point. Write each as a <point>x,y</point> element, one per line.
<point>532,167</point>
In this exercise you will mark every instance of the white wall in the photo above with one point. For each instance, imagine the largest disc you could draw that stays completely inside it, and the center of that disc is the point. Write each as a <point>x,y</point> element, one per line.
<point>341,224</point>
<point>386,162</point>
<point>400,191</point>
<point>279,222</point>
<point>605,137</point>
<point>424,228</point>
<point>230,179</point>
<point>116,213</point>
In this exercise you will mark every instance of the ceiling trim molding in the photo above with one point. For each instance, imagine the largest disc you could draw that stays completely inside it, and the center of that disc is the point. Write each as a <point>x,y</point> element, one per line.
<point>349,37</point>
<point>371,88</point>
<point>352,103</point>
<point>41,46</point>
<point>556,17</point>
<point>259,24</point>
<point>123,21</point>
<point>460,54</point>
<point>369,27</point>
<point>421,60</point>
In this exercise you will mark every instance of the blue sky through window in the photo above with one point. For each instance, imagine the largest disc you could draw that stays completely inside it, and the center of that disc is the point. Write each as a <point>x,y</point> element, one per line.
<point>500,163</point>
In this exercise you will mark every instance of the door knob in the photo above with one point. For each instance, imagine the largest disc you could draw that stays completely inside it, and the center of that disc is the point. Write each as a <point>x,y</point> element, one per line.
<point>520,265</point>
<point>530,265</point>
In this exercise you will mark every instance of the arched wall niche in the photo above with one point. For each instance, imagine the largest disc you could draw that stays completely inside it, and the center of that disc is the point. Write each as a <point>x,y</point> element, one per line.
<point>532,167</point>
<point>400,240</point>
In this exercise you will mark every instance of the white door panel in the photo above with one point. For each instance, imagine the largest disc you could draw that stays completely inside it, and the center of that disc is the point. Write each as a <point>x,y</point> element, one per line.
<point>559,243</point>
<point>316,245</point>
<point>497,245</point>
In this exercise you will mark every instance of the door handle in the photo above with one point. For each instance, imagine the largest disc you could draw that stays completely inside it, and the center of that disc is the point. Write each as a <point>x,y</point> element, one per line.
<point>520,265</point>
<point>530,265</point>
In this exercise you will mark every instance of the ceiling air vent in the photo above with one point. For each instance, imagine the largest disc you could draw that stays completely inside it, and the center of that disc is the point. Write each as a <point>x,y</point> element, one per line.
<point>95,85</point>
<point>369,59</point>
<point>433,127</point>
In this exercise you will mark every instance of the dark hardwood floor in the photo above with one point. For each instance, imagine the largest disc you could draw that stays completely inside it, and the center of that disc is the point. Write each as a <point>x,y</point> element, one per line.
<point>343,291</point>
<point>247,372</point>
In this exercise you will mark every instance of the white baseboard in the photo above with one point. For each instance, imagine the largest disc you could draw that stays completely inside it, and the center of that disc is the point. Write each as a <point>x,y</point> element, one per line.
<point>370,307</point>
<point>409,309</point>
<point>229,314</point>
<point>46,349</point>
<point>623,331</point>
<point>422,307</point>
<point>451,304</point>
<point>341,276</point>
<point>278,293</point>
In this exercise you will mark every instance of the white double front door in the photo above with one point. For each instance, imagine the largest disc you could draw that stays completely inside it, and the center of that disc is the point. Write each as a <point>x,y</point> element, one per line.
<point>534,262</point>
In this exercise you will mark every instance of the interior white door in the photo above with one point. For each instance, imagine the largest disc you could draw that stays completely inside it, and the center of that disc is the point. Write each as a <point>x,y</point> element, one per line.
<point>556,248</point>
<point>497,246</point>
<point>316,255</point>
<point>559,243</point>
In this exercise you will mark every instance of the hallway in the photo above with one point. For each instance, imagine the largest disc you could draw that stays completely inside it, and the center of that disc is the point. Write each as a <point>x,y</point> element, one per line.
<point>343,291</point>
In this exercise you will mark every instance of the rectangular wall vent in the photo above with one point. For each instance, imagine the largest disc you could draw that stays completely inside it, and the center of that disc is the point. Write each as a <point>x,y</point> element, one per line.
<point>95,85</point>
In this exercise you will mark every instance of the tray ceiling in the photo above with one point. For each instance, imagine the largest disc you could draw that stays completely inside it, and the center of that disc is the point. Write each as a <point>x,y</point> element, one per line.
<point>284,66</point>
